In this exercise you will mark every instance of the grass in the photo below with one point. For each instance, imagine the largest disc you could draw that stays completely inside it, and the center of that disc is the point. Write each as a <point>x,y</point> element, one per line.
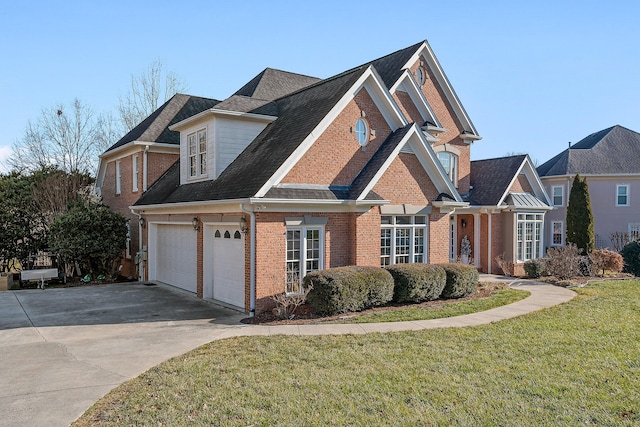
<point>574,364</point>
<point>445,309</point>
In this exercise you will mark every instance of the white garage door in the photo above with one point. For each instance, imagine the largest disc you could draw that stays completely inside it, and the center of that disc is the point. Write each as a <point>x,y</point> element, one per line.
<point>176,260</point>
<point>224,265</point>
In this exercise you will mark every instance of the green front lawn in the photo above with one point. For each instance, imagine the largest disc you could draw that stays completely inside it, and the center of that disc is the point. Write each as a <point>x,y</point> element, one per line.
<point>574,364</point>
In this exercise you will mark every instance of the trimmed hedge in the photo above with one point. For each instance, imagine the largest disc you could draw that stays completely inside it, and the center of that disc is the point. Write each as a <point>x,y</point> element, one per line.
<point>417,282</point>
<point>346,289</point>
<point>462,280</point>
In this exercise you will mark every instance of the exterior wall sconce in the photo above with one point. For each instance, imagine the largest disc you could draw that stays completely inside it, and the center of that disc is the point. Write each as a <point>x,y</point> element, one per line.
<point>243,225</point>
<point>463,222</point>
<point>196,223</point>
<point>141,221</point>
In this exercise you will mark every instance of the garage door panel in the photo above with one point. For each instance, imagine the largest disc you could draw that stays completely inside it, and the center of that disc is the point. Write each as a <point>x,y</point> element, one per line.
<point>176,261</point>
<point>225,265</point>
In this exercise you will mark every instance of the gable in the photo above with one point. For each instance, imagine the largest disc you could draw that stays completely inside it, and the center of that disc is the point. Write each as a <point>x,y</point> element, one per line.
<point>521,185</point>
<point>336,157</point>
<point>406,182</point>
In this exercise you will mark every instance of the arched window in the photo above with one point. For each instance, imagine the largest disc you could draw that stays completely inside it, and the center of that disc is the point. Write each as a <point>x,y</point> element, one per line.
<point>362,131</point>
<point>237,235</point>
<point>227,235</point>
<point>217,233</point>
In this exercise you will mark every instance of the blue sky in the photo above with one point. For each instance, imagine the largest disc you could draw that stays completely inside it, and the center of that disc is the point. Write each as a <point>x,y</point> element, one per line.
<point>532,75</point>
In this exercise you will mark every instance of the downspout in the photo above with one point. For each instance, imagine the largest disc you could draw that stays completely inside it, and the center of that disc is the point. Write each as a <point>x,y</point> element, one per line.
<point>141,261</point>
<point>252,258</point>
<point>144,169</point>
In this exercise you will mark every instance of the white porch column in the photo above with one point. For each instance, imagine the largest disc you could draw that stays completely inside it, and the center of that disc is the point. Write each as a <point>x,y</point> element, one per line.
<point>489,233</point>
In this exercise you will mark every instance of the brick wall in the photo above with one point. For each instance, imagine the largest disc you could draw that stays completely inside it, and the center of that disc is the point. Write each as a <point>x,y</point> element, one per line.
<point>521,185</point>
<point>336,157</point>
<point>408,108</point>
<point>405,181</point>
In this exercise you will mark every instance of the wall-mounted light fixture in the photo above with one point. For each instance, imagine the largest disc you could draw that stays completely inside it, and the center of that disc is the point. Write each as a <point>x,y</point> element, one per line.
<point>463,222</point>
<point>243,225</point>
<point>196,223</point>
<point>141,221</point>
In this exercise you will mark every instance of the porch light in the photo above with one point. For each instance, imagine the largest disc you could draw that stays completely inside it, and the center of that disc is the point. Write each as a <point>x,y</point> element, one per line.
<point>463,222</point>
<point>196,223</point>
<point>141,221</point>
<point>243,225</point>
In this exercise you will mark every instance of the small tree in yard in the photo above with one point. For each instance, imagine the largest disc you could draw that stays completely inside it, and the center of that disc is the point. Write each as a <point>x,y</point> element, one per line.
<point>89,236</point>
<point>580,217</point>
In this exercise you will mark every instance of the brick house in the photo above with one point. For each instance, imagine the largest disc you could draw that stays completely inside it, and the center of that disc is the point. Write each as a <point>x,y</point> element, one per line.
<point>292,174</point>
<point>610,161</point>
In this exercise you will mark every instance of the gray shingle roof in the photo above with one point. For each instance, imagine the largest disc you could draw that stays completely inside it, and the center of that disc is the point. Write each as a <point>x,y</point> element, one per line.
<point>615,150</point>
<point>490,179</point>
<point>272,84</point>
<point>298,114</point>
<point>155,128</point>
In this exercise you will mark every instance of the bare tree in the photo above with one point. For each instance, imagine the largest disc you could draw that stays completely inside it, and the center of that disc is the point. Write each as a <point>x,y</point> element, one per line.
<point>147,91</point>
<point>65,137</point>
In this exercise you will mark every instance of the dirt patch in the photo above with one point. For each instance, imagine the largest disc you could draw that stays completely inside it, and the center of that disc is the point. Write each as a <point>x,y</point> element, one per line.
<point>304,314</point>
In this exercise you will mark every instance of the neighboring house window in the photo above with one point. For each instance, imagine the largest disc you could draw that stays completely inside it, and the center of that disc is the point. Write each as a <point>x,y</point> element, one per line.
<point>634,232</point>
<point>449,162</point>
<point>135,173</point>
<point>558,195</point>
<point>528,241</point>
<point>118,177</point>
<point>304,254</point>
<point>557,233</point>
<point>403,239</point>
<point>622,195</point>
<point>197,143</point>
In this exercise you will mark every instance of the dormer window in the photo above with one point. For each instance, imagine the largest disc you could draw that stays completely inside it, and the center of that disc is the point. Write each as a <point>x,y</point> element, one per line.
<point>197,143</point>
<point>449,162</point>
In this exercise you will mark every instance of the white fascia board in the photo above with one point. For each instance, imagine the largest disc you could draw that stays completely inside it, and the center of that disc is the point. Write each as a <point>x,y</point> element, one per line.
<point>423,151</point>
<point>513,180</point>
<point>432,61</point>
<point>190,207</point>
<point>217,112</point>
<point>133,147</point>
<point>369,79</point>
<point>407,81</point>
<point>307,205</point>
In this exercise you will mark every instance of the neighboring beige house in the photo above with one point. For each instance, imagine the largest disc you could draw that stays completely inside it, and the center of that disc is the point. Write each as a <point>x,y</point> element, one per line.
<point>610,161</point>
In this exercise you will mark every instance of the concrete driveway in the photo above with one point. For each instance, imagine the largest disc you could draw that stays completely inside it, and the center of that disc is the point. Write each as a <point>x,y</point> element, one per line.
<point>62,349</point>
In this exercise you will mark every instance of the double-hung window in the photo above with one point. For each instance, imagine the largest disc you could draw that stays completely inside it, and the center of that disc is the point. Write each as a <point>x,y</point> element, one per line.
<point>197,146</point>
<point>558,195</point>
<point>622,195</point>
<point>304,254</point>
<point>403,239</point>
<point>135,173</point>
<point>529,232</point>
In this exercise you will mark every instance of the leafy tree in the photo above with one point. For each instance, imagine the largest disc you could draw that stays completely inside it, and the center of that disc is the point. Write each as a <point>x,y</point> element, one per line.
<point>580,216</point>
<point>69,138</point>
<point>90,236</point>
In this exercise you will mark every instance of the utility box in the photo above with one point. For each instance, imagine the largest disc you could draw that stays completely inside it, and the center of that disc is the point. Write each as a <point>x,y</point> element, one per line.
<point>5,278</point>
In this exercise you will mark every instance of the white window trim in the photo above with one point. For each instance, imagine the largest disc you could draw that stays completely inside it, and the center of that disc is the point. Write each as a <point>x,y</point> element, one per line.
<point>302,258</point>
<point>618,186</point>
<point>198,154</point>
<point>452,174</point>
<point>552,243</point>
<point>413,226</point>
<point>634,227</point>
<point>118,177</point>
<point>135,172</point>
<point>553,195</point>
<point>537,250</point>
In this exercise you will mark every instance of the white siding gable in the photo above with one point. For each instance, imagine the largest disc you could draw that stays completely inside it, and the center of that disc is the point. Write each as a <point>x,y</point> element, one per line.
<point>227,137</point>
<point>231,138</point>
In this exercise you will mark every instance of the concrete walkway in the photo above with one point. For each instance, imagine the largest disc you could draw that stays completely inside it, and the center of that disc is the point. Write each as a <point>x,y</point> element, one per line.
<point>63,349</point>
